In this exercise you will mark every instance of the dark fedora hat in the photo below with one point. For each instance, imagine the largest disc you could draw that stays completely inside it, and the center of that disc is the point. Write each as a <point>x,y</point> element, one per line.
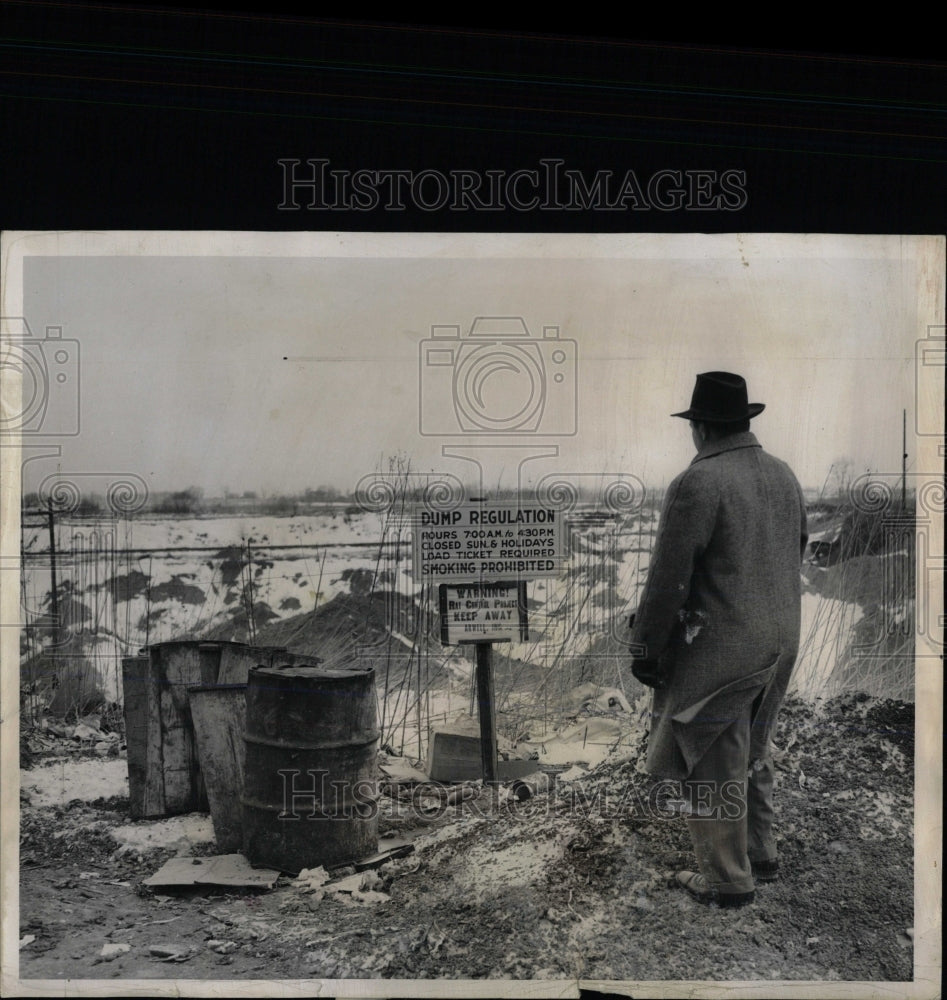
<point>721,397</point>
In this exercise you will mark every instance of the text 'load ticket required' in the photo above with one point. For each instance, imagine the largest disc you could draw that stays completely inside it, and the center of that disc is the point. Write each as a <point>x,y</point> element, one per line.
<point>487,542</point>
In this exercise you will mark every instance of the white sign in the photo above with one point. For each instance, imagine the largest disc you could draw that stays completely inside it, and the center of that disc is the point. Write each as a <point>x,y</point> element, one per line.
<point>487,542</point>
<point>483,613</point>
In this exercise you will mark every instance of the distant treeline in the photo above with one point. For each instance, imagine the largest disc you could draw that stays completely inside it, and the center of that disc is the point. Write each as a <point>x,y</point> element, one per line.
<point>192,501</point>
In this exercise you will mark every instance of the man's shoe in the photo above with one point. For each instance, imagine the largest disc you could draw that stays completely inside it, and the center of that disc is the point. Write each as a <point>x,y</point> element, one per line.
<point>697,886</point>
<point>765,871</point>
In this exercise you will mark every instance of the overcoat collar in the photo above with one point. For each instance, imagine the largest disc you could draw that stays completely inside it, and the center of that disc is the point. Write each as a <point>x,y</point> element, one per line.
<point>745,439</point>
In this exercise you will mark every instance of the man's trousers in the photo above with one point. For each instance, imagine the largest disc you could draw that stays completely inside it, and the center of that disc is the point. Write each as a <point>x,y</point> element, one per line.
<point>730,805</point>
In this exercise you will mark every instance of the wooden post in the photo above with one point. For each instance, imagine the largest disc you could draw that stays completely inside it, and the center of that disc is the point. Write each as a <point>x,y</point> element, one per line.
<point>487,709</point>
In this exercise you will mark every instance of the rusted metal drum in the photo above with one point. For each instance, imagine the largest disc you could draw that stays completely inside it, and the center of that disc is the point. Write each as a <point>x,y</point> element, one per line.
<point>310,775</point>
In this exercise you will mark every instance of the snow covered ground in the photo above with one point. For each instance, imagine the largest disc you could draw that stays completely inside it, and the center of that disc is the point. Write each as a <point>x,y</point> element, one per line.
<point>126,583</point>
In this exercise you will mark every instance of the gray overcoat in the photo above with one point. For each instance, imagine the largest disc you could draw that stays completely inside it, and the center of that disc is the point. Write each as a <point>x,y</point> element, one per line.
<point>721,606</point>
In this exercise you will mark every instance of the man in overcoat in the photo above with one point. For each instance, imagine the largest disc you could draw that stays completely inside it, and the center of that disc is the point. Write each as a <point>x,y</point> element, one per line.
<point>716,634</point>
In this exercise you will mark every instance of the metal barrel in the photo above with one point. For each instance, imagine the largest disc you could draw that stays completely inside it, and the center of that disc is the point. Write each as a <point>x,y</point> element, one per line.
<point>310,774</point>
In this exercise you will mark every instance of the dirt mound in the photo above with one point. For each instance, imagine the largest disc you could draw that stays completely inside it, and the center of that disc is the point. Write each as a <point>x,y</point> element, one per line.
<point>128,586</point>
<point>347,627</point>
<point>573,883</point>
<point>176,589</point>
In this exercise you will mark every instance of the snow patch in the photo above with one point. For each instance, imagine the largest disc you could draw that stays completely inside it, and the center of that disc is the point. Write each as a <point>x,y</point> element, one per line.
<point>181,832</point>
<point>59,783</point>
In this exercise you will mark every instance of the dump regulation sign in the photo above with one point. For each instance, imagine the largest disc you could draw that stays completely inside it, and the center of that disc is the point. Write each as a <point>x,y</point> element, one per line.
<point>488,542</point>
<point>482,613</point>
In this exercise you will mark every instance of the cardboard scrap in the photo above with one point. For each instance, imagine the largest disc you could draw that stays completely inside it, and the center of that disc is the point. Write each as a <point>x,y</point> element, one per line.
<point>398,771</point>
<point>224,869</point>
<point>351,883</point>
<point>588,742</point>
<point>363,887</point>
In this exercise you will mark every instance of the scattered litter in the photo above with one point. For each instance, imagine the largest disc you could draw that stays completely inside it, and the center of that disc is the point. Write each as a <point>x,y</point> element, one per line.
<point>454,753</point>
<point>401,850</point>
<point>435,938</point>
<point>224,869</point>
<point>589,741</point>
<point>533,784</point>
<point>395,869</point>
<point>351,883</point>
<point>593,699</point>
<point>370,897</point>
<point>311,879</point>
<point>60,729</point>
<point>434,797</point>
<point>222,947</point>
<point>170,952</point>
<point>110,952</point>
<point>27,939</point>
<point>106,744</point>
<point>461,794</point>
<point>363,887</point>
<point>400,772</point>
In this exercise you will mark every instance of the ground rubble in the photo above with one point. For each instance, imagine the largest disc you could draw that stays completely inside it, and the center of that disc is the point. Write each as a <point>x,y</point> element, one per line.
<point>569,883</point>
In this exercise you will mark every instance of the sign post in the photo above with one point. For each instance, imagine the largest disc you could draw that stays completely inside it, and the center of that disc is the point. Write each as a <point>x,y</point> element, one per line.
<point>469,549</point>
<point>487,711</point>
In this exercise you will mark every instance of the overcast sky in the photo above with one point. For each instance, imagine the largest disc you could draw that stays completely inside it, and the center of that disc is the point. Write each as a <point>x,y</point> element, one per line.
<point>282,361</point>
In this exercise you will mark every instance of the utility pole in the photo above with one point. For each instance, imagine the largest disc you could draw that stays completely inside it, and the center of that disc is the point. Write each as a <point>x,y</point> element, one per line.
<point>904,458</point>
<point>52,572</point>
<point>251,624</point>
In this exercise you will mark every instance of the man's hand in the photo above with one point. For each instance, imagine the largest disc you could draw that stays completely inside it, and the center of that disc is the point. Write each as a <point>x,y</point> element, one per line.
<point>649,672</point>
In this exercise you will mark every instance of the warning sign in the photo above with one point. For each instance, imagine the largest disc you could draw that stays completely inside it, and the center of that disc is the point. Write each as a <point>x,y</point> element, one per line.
<point>483,613</point>
<point>486,542</point>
